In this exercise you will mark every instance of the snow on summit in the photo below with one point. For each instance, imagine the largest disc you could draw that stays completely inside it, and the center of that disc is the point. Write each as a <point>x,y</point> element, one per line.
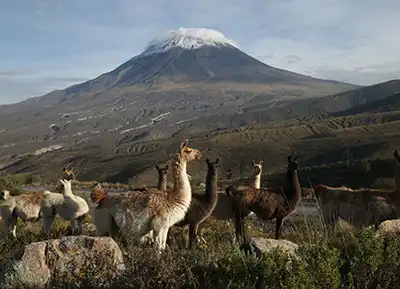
<point>188,38</point>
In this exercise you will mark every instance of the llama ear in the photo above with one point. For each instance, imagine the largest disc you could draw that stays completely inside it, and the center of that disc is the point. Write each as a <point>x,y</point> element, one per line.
<point>261,163</point>
<point>396,155</point>
<point>157,167</point>
<point>253,163</point>
<point>166,167</point>
<point>184,143</point>
<point>62,181</point>
<point>64,169</point>
<point>217,161</point>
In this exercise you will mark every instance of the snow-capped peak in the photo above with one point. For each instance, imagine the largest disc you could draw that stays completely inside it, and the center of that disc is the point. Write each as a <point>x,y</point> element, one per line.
<point>188,38</point>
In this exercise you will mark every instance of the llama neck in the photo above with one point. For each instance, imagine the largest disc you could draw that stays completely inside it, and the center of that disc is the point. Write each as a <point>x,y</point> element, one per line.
<point>181,181</point>
<point>211,192</point>
<point>293,192</point>
<point>256,181</point>
<point>397,178</point>
<point>68,193</point>
<point>162,183</point>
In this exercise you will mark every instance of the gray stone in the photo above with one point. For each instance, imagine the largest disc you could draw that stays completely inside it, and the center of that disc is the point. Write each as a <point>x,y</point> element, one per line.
<point>71,257</point>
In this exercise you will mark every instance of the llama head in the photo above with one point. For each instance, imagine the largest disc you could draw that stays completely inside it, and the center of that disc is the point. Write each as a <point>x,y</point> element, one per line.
<point>162,171</point>
<point>257,168</point>
<point>4,195</point>
<point>97,194</point>
<point>397,155</point>
<point>68,174</point>
<point>213,167</point>
<point>187,153</point>
<point>292,164</point>
<point>67,186</point>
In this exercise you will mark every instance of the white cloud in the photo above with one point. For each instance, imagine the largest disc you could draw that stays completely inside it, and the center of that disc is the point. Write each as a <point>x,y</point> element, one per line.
<point>354,41</point>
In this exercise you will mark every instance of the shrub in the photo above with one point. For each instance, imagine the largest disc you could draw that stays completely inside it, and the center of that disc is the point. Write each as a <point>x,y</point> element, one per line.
<point>12,184</point>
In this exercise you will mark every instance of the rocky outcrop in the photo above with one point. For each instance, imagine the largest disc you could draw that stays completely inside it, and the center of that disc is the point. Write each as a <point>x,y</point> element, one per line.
<point>388,227</point>
<point>71,257</point>
<point>262,245</point>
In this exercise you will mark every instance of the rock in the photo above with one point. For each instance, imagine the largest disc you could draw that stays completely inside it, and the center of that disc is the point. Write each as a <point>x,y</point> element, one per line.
<point>262,245</point>
<point>388,227</point>
<point>72,257</point>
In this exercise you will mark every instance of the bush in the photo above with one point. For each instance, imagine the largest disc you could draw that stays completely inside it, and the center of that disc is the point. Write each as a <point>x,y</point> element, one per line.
<point>12,184</point>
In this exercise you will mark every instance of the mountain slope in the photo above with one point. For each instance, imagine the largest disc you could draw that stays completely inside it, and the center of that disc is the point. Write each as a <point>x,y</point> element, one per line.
<point>188,82</point>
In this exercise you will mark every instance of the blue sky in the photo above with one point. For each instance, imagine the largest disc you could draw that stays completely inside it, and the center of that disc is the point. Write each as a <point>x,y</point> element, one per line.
<point>50,44</point>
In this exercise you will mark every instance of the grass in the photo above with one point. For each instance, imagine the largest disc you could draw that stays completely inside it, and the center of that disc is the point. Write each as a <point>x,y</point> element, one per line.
<point>350,259</point>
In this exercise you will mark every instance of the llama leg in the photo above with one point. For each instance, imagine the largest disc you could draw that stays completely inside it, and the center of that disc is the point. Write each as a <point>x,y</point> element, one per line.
<point>164,237</point>
<point>278,233</point>
<point>6,223</point>
<point>47,222</point>
<point>13,225</point>
<point>80,221</point>
<point>158,239</point>
<point>72,227</point>
<point>192,234</point>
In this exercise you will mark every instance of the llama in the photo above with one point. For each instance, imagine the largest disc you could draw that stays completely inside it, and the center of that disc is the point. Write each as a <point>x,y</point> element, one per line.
<point>25,206</point>
<point>136,214</point>
<point>359,207</point>
<point>224,209</point>
<point>268,204</point>
<point>202,206</point>
<point>66,205</point>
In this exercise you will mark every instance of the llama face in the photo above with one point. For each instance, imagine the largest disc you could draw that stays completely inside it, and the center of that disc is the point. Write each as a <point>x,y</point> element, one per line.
<point>4,195</point>
<point>188,154</point>
<point>68,174</point>
<point>213,167</point>
<point>292,163</point>
<point>67,185</point>
<point>162,171</point>
<point>397,155</point>
<point>97,194</point>
<point>257,168</point>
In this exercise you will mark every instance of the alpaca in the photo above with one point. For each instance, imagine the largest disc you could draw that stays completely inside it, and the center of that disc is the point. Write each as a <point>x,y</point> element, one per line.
<point>359,207</point>
<point>66,205</point>
<point>25,206</point>
<point>268,204</point>
<point>136,214</point>
<point>202,206</point>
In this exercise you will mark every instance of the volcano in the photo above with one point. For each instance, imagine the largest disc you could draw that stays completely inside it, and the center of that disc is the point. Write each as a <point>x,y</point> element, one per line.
<point>186,81</point>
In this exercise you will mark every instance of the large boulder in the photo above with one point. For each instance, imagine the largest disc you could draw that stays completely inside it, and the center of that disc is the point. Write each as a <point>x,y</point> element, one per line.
<point>70,257</point>
<point>388,227</point>
<point>263,245</point>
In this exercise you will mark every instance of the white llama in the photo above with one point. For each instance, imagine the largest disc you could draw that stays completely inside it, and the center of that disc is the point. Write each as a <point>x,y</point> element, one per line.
<point>66,205</point>
<point>25,206</point>
<point>135,214</point>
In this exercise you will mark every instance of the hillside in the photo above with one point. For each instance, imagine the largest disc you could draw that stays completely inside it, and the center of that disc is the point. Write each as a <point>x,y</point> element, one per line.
<point>123,122</point>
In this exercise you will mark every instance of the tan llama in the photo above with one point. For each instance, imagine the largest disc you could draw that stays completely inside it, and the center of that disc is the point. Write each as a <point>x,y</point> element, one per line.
<point>135,214</point>
<point>66,205</point>
<point>359,207</point>
<point>25,206</point>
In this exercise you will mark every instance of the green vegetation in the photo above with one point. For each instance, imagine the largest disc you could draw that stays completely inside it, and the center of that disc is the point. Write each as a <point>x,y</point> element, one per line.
<point>350,259</point>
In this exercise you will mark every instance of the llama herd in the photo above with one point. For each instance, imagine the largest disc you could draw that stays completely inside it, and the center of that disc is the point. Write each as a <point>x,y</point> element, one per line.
<point>149,213</point>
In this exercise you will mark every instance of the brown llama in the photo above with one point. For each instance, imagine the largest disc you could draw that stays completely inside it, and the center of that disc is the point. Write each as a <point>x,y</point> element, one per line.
<point>136,214</point>
<point>268,204</point>
<point>359,207</point>
<point>224,209</point>
<point>202,205</point>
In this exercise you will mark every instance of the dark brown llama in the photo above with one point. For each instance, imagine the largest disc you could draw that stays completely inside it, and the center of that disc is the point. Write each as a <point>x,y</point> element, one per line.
<point>162,177</point>
<point>202,205</point>
<point>266,203</point>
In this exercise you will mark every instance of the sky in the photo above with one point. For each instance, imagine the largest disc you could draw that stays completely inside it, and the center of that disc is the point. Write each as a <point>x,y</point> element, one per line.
<point>52,44</point>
